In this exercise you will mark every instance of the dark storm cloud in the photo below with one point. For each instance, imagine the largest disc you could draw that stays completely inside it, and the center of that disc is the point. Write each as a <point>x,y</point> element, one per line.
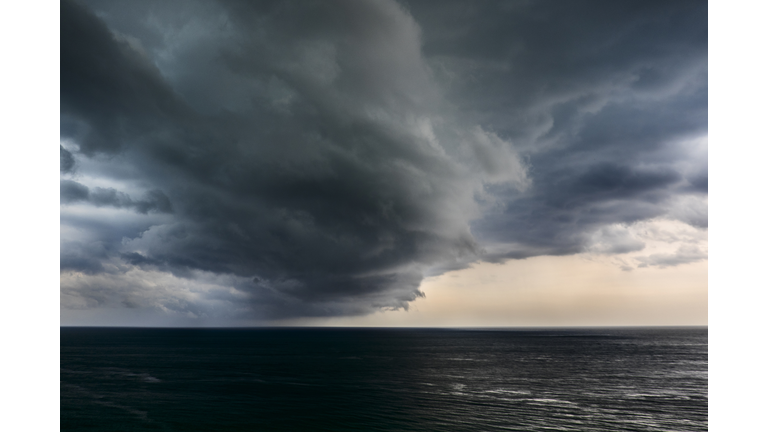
<point>328,155</point>
<point>598,92</point>
<point>699,181</point>
<point>520,56</point>
<point>107,88</point>
<point>67,161</point>
<point>72,192</point>
<point>333,196</point>
<point>82,257</point>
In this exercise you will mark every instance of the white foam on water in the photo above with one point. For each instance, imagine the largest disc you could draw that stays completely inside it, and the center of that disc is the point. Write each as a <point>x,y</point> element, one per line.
<point>550,401</point>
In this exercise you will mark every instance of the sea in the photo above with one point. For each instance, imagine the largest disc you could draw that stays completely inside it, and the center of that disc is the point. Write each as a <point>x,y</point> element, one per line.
<point>383,379</point>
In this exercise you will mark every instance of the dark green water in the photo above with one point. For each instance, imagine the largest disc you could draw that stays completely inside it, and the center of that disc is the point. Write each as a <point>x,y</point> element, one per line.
<point>115,379</point>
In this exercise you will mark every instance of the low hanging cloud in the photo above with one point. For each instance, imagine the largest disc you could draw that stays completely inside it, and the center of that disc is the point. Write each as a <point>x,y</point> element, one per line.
<point>67,161</point>
<point>615,240</point>
<point>74,192</point>
<point>684,255</point>
<point>321,158</point>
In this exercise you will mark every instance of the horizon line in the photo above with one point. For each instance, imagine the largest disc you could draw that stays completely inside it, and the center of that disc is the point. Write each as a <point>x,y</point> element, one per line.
<point>397,327</point>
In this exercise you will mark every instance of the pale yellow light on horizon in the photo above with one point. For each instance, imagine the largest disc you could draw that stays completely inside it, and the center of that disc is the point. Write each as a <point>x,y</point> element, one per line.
<point>578,290</point>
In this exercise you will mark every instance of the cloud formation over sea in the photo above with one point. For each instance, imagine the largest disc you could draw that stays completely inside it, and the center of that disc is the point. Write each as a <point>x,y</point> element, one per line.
<point>267,160</point>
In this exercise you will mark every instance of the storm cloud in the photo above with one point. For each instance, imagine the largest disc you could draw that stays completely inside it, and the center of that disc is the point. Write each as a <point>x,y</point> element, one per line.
<point>285,159</point>
<point>72,192</point>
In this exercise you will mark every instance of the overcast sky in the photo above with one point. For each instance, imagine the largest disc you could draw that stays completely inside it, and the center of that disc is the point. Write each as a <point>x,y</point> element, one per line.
<point>230,162</point>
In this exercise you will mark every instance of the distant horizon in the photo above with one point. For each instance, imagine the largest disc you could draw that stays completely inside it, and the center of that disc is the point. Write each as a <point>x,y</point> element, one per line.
<point>394,327</point>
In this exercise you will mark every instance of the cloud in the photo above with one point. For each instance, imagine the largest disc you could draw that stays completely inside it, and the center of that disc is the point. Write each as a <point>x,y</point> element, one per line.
<point>72,192</point>
<point>327,156</point>
<point>659,242</point>
<point>615,240</point>
<point>603,107</point>
<point>693,210</point>
<point>684,255</point>
<point>67,161</point>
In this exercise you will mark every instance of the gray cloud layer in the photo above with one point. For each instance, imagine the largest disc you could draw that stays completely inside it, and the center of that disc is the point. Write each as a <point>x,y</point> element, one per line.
<point>72,192</point>
<point>684,255</point>
<point>597,92</point>
<point>329,155</point>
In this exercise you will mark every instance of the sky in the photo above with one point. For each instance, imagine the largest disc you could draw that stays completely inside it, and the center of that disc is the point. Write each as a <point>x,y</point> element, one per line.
<point>386,163</point>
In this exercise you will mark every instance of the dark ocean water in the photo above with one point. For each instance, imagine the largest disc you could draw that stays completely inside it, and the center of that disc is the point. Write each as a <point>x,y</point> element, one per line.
<point>117,379</point>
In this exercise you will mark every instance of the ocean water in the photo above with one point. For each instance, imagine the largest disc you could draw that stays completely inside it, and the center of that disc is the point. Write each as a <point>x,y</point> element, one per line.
<point>319,379</point>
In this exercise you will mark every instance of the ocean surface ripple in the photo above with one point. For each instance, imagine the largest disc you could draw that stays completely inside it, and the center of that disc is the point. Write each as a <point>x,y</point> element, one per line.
<point>321,379</point>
